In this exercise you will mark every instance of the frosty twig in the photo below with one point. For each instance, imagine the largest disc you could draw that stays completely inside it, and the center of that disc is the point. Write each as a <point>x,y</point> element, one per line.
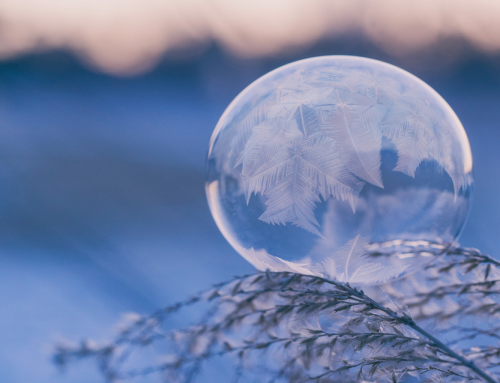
<point>296,328</point>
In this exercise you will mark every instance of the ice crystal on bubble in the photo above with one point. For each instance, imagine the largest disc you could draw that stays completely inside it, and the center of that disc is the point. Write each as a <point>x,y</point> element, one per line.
<point>334,149</point>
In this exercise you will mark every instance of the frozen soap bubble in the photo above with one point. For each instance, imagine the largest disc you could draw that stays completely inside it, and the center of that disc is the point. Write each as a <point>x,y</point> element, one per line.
<point>341,167</point>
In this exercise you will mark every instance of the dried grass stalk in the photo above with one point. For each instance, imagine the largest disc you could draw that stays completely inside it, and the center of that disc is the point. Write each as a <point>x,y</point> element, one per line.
<point>439,325</point>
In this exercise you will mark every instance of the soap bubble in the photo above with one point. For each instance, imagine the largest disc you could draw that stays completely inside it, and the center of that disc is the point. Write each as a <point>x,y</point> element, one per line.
<point>342,167</point>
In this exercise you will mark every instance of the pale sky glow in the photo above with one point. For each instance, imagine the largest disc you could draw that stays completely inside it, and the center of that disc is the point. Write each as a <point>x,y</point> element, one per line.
<point>129,36</point>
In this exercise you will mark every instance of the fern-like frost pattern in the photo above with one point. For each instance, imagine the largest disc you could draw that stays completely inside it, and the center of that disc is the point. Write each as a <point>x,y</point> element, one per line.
<point>340,167</point>
<point>318,134</point>
<point>352,263</point>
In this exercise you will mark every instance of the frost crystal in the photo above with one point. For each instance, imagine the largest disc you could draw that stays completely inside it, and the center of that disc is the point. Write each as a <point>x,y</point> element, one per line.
<point>321,130</point>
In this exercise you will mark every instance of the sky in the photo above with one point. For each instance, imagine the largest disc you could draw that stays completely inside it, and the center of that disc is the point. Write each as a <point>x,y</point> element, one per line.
<point>104,129</point>
<point>130,36</point>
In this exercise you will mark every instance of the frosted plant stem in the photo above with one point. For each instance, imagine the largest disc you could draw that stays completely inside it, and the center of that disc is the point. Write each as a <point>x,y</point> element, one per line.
<point>468,363</point>
<point>406,320</point>
<point>472,256</point>
<point>254,313</point>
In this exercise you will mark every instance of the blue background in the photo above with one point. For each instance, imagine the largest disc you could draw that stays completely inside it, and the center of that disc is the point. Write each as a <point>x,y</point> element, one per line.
<point>102,202</point>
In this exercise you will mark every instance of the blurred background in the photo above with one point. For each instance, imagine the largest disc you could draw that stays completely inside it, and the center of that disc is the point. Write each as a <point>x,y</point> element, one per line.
<point>106,110</point>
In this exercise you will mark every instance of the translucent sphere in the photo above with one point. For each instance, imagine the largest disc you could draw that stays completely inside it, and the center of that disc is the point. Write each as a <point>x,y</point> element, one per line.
<point>342,167</point>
